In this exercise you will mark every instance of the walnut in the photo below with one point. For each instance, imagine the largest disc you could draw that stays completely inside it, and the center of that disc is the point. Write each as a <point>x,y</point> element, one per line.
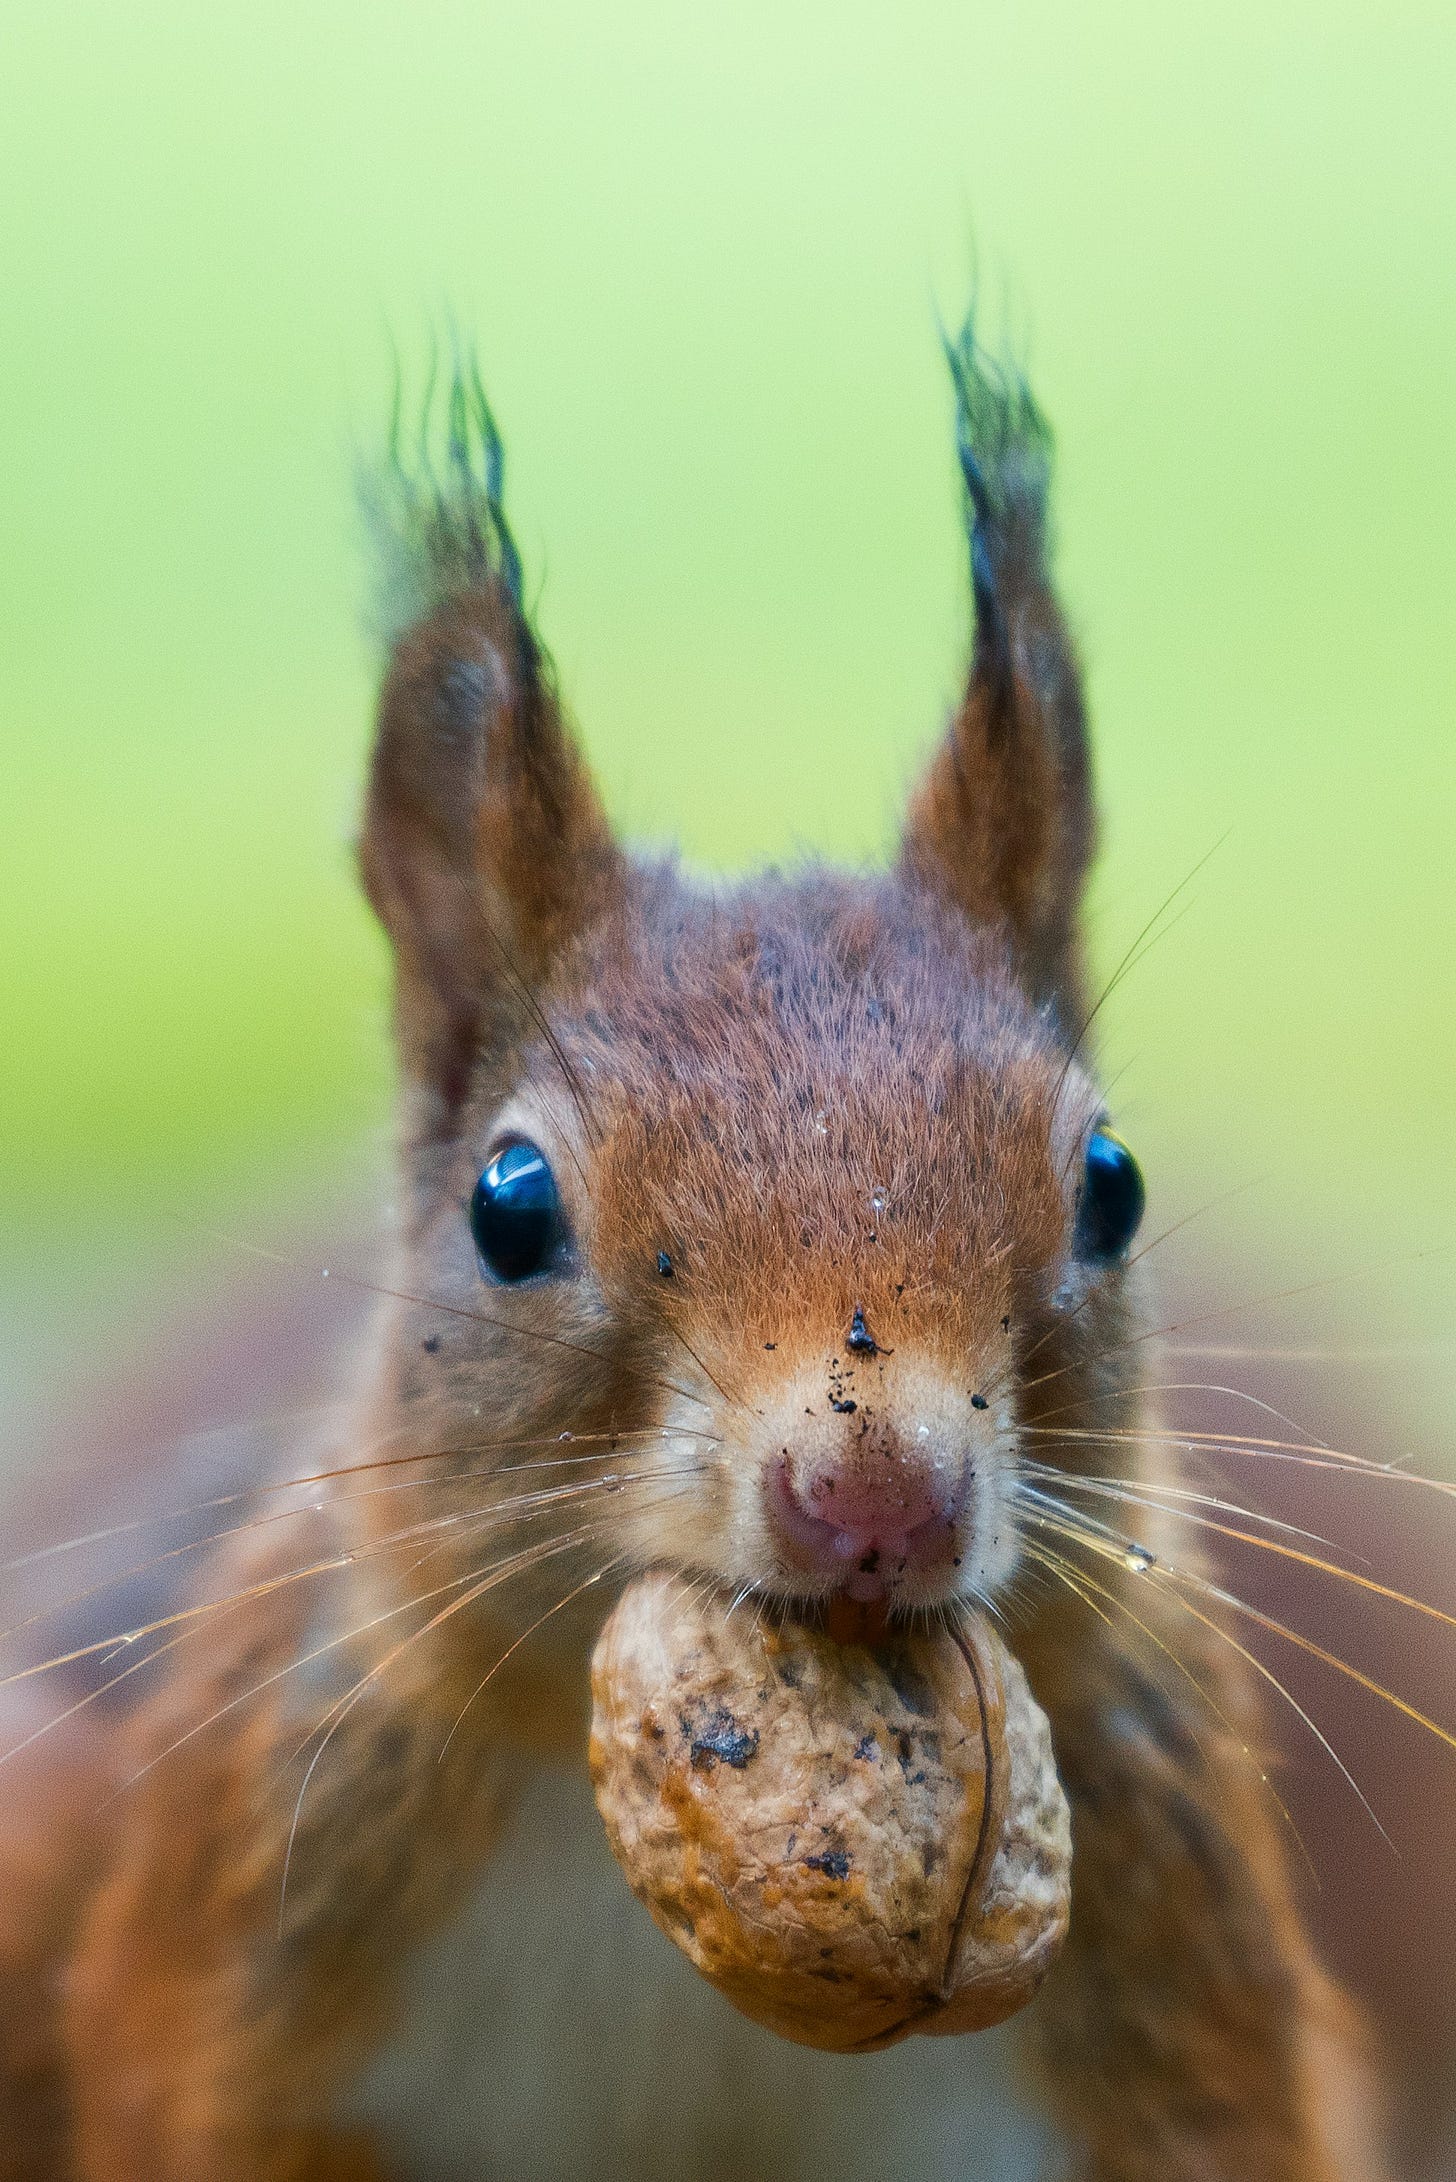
<point>851,1844</point>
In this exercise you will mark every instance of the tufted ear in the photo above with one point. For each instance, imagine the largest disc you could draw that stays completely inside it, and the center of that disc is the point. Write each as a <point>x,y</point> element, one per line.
<point>1002,824</point>
<point>485,850</point>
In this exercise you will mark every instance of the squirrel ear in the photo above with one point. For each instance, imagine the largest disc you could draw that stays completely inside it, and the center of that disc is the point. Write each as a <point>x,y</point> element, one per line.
<point>485,849</point>
<point>1002,825</point>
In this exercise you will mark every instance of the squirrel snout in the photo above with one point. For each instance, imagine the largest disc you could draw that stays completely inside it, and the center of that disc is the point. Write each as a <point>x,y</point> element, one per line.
<point>868,1520</point>
<point>874,1480</point>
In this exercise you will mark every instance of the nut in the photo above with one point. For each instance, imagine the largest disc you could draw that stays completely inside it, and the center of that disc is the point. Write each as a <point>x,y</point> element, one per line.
<point>851,1844</point>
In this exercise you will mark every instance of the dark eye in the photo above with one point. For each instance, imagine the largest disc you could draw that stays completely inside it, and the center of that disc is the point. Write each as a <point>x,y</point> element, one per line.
<point>1111,1204</point>
<point>515,1214</point>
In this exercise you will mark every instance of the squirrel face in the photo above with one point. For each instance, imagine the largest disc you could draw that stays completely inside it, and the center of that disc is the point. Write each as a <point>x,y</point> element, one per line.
<point>816,1163</point>
<point>782,1204</point>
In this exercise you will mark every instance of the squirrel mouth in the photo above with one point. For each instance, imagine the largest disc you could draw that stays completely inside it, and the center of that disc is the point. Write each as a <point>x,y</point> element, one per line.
<point>857,1621</point>
<point>867,1553</point>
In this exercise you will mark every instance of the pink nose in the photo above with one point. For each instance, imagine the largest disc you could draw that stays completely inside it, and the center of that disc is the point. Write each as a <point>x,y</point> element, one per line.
<point>869,1527</point>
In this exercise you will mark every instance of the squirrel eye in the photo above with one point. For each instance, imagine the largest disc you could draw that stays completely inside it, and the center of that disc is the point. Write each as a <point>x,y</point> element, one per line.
<point>515,1214</point>
<point>1112,1198</point>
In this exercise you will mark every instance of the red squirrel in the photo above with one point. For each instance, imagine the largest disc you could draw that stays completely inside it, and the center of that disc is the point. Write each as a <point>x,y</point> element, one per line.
<point>779,1233</point>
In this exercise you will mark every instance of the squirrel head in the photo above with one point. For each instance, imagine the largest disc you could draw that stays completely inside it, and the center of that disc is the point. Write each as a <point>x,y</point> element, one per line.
<point>792,1204</point>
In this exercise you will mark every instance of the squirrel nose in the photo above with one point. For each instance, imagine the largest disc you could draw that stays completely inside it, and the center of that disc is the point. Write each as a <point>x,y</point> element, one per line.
<point>867,1523</point>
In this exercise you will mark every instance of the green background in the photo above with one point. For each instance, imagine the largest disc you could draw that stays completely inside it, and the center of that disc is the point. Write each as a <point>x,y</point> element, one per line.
<point>703,251</point>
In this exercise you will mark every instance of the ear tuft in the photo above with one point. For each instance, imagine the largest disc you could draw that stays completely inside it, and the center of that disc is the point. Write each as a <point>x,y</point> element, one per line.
<point>433,508</point>
<point>1002,825</point>
<point>1005,448</point>
<point>485,850</point>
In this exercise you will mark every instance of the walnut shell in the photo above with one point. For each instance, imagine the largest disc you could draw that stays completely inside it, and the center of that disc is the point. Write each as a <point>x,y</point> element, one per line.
<point>850,1844</point>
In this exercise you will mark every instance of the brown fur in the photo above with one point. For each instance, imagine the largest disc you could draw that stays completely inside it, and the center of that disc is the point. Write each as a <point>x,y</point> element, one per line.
<point>807,1096</point>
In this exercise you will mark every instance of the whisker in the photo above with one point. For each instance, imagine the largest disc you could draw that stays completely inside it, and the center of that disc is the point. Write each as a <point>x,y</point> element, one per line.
<point>537,1013</point>
<point>1132,1553</point>
<point>479,1580</point>
<point>1269,1676</point>
<point>213,1539</point>
<point>1090,1591</point>
<point>218,1537</point>
<point>192,1619</point>
<point>1129,962</point>
<point>513,1469</point>
<point>985,1603</point>
<point>1075,1577</point>
<point>231,1499</point>
<point>77,1599</point>
<point>1316,1651</point>
<point>91,1697</point>
<point>1073,1531</point>
<point>509,1510</point>
<point>735,1401</point>
<point>1292,1553</point>
<point>258,1488</point>
<point>242,1430</point>
<point>1199,1212</point>
<point>1398,1352</point>
<point>340,1711</point>
<point>1231,1310</point>
<point>1176,1386</point>
<point>452,1310</point>
<point>570,1598</point>
<point>1311,1455</point>
<point>184,1614</point>
<point>1136,1491</point>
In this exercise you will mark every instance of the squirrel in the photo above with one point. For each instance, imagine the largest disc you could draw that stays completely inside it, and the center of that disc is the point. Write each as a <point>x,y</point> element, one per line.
<point>778,1233</point>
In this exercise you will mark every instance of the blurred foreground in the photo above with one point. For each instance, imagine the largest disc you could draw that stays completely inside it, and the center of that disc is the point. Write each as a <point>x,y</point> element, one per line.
<point>247,1382</point>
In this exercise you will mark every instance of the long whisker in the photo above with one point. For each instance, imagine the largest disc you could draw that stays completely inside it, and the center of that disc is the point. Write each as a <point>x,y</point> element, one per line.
<point>154,1454</point>
<point>734,1401</point>
<point>213,1538</point>
<point>1100,1539</point>
<point>450,1310</point>
<point>1072,1529</point>
<point>91,1697</point>
<point>1173,1386</point>
<point>506,1325</point>
<point>1199,1212</point>
<point>1231,1310</point>
<point>216,1538</point>
<point>334,1718</point>
<point>1075,1577</point>
<point>418,1455</point>
<point>1287,1553</point>
<point>506,1510</point>
<point>214,1501</point>
<point>1316,1651</point>
<point>1129,962</point>
<point>479,1581</point>
<point>605,1454</point>
<point>109,1647</point>
<point>569,1599</point>
<point>1136,1492</point>
<point>1399,1352</point>
<point>1268,1675</point>
<point>1313,1454</point>
<point>1131,1551</point>
<point>479,1584</point>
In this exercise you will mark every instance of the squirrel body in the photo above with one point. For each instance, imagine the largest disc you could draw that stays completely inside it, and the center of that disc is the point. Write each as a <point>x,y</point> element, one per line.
<point>610,2041</point>
<point>775,1233</point>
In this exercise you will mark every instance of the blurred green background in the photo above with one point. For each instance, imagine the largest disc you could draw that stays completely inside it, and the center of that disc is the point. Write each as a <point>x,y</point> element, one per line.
<point>703,252</point>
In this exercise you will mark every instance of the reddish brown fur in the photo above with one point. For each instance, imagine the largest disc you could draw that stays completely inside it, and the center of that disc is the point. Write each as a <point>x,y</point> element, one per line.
<point>812,1094</point>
